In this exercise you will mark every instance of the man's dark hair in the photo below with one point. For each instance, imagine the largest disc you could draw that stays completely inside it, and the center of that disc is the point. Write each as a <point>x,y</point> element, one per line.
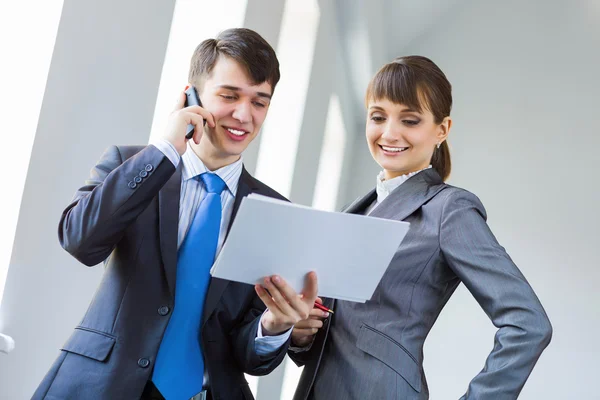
<point>244,46</point>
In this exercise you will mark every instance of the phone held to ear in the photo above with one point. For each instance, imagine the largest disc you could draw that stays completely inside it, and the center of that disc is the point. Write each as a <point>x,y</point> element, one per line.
<point>191,99</point>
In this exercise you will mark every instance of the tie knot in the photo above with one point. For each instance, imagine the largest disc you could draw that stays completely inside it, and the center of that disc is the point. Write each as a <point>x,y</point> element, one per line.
<point>212,182</point>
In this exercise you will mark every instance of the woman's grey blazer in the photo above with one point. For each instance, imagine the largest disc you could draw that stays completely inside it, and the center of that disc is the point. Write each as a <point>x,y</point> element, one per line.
<point>375,350</point>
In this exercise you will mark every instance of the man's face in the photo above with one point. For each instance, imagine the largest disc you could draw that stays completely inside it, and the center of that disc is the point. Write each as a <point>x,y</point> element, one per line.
<point>239,108</point>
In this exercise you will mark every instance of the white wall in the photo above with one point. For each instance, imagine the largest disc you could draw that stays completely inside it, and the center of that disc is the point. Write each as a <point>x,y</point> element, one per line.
<point>101,90</point>
<point>525,140</point>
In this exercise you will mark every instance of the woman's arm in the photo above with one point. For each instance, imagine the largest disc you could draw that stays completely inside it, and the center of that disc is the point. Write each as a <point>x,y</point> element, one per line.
<point>473,253</point>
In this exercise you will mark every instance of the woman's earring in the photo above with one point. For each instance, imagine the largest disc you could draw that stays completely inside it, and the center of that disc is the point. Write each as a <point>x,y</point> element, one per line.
<point>438,145</point>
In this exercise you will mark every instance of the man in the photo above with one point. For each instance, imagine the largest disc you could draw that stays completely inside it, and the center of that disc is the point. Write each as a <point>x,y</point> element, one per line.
<point>159,326</point>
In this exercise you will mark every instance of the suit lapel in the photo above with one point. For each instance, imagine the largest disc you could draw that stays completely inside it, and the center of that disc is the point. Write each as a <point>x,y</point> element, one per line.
<point>360,204</point>
<point>410,196</point>
<point>168,201</point>
<point>246,186</point>
<point>217,286</point>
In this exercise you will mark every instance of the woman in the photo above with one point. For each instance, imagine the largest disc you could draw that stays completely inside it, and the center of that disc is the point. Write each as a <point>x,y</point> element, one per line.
<point>375,350</point>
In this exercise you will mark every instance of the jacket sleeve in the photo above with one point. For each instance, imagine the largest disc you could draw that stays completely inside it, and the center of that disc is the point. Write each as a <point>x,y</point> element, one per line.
<point>243,338</point>
<point>524,331</point>
<point>115,194</point>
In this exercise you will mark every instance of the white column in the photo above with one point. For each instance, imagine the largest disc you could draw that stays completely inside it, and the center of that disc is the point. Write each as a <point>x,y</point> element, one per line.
<point>319,91</point>
<point>101,90</point>
<point>264,17</point>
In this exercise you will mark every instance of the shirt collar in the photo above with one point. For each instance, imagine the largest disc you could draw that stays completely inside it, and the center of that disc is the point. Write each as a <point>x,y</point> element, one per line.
<point>193,166</point>
<point>384,188</point>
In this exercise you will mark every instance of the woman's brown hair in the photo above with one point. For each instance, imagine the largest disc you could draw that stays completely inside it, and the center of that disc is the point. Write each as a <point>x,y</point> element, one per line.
<point>418,83</point>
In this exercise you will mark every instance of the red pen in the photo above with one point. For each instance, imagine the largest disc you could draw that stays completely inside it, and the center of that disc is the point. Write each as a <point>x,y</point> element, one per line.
<point>323,308</point>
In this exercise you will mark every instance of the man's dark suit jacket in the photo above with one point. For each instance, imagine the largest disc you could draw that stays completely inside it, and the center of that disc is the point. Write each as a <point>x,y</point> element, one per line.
<point>127,215</point>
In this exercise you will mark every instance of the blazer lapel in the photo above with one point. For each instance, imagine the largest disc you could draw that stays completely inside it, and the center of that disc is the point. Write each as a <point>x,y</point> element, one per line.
<point>360,204</point>
<point>217,285</point>
<point>246,186</point>
<point>408,197</point>
<point>168,201</point>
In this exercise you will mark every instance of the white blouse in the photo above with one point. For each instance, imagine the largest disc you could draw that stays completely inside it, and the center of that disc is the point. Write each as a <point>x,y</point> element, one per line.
<point>384,188</point>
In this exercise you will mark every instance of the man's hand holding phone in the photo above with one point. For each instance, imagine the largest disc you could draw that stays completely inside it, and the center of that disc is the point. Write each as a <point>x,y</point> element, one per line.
<point>181,117</point>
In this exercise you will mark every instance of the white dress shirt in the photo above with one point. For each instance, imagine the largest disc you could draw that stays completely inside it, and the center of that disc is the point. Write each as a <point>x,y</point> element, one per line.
<point>192,194</point>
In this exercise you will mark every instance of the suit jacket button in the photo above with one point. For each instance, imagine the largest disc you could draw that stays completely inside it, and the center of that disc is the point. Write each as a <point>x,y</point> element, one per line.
<point>164,310</point>
<point>149,168</point>
<point>137,179</point>
<point>143,173</point>
<point>143,362</point>
<point>132,185</point>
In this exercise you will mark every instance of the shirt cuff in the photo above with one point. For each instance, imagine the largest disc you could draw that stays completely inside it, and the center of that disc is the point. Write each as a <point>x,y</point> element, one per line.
<point>268,345</point>
<point>168,150</point>
<point>297,349</point>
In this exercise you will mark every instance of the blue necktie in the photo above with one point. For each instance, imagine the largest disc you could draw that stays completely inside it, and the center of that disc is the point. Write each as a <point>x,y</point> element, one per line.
<point>179,369</point>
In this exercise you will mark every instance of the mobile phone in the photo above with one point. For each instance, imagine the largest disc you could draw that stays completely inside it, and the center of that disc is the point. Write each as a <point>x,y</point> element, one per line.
<point>191,99</point>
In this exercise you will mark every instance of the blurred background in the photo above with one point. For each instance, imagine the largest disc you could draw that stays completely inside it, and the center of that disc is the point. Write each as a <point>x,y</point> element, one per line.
<point>78,76</point>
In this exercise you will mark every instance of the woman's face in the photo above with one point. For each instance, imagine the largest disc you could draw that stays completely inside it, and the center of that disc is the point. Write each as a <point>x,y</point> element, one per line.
<point>402,140</point>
